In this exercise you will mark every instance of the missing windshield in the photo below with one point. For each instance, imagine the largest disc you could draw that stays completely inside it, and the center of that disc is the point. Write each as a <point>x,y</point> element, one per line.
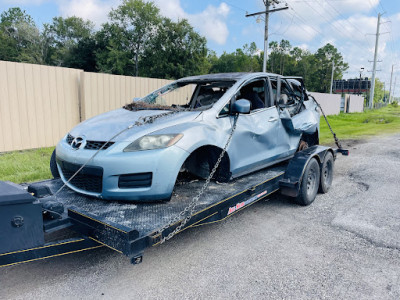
<point>199,95</point>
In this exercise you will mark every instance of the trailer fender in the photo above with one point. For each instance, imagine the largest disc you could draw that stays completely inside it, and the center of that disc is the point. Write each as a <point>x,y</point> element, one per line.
<point>290,184</point>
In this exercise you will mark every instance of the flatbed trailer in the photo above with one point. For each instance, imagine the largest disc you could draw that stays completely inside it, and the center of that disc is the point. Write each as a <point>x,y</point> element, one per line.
<point>28,226</point>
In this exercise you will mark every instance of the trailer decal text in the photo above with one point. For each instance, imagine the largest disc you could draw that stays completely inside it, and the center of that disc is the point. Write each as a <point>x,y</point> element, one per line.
<point>244,203</point>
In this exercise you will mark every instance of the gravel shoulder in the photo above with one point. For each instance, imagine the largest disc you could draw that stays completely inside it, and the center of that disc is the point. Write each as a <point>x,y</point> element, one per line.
<point>345,245</point>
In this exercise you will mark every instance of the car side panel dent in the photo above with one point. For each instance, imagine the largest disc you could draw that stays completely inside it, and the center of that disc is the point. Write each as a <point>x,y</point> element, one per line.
<point>305,121</point>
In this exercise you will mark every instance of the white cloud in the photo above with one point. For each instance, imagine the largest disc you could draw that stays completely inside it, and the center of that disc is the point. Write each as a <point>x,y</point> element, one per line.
<point>304,46</point>
<point>313,19</point>
<point>300,33</point>
<point>94,10</point>
<point>355,27</point>
<point>171,9</point>
<point>24,2</point>
<point>211,22</point>
<point>328,9</point>
<point>355,6</point>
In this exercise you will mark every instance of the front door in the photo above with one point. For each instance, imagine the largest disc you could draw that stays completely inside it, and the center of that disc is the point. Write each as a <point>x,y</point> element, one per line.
<point>256,141</point>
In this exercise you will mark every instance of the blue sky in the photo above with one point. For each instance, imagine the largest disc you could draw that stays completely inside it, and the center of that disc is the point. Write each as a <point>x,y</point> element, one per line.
<point>310,24</point>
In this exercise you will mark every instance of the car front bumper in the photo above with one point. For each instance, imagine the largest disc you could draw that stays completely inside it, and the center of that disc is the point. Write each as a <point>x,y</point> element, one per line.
<point>108,165</point>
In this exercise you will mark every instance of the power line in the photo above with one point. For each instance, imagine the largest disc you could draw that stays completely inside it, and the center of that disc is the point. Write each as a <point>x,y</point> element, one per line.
<point>334,26</point>
<point>267,11</point>
<point>303,21</point>
<point>348,21</point>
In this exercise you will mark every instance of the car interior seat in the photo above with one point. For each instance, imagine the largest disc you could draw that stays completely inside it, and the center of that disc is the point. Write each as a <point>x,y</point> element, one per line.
<point>253,97</point>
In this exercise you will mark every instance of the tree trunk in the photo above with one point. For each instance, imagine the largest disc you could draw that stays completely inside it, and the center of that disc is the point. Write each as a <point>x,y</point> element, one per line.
<point>136,64</point>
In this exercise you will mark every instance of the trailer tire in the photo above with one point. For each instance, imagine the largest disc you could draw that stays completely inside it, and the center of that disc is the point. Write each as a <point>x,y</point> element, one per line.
<point>326,173</point>
<point>53,166</point>
<point>309,184</point>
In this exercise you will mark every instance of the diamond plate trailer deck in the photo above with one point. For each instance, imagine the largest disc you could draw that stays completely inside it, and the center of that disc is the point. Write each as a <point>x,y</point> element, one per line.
<point>128,228</point>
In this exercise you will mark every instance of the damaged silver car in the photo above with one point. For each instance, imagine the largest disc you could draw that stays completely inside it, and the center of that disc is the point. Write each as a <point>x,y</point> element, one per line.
<point>142,163</point>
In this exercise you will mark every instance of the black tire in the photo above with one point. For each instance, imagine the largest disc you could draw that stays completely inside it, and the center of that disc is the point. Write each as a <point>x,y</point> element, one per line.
<point>309,184</point>
<point>53,166</point>
<point>223,173</point>
<point>326,173</point>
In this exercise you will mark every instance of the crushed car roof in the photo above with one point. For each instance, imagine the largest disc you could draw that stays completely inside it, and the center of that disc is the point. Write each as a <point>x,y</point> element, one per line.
<point>223,76</point>
<point>218,76</point>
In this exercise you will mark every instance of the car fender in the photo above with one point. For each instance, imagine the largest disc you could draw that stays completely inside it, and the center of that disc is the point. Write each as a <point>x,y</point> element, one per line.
<point>197,134</point>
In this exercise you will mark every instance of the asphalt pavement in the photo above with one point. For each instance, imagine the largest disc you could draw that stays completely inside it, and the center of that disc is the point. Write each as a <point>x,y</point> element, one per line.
<point>346,245</point>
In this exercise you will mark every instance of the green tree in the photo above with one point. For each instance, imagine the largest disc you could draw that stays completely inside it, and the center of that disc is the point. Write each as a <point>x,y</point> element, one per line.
<point>111,54</point>
<point>72,43</point>
<point>324,58</point>
<point>139,21</point>
<point>14,16</point>
<point>242,60</point>
<point>175,51</point>
<point>279,56</point>
<point>20,39</point>
<point>273,57</point>
<point>378,91</point>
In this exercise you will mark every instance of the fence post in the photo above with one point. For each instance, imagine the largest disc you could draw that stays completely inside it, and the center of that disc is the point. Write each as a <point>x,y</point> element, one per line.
<point>81,86</point>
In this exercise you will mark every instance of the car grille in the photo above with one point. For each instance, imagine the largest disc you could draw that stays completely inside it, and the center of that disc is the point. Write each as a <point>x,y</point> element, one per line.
<point>88,179</point>
<point>70,138</point>
<point>138,180</point>
<point>91,145</point>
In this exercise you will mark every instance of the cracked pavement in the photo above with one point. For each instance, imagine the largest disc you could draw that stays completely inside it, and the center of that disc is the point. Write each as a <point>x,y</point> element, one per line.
<point>346,245</point>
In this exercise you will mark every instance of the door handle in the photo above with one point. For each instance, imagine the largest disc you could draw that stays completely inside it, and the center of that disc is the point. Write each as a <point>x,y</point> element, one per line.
<point>272,119</point>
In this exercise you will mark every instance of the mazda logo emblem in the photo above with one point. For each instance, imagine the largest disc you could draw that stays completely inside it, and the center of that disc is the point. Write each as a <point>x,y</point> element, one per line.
<point>78,143</point>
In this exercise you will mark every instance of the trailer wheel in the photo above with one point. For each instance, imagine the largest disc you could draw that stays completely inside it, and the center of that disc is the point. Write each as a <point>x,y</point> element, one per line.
<point>53,166</point>
<point>326,173</point>
<point>309,184</point>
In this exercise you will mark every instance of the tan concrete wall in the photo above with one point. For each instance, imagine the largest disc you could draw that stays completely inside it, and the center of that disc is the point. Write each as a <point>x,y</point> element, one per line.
<point>330,103</point>
<point>38,104</point>
<point>354,103</point>
<point>105,92</point>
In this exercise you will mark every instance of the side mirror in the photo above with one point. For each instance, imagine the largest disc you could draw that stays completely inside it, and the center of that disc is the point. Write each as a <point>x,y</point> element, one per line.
<point>136,99</point>
<point>241,106</point>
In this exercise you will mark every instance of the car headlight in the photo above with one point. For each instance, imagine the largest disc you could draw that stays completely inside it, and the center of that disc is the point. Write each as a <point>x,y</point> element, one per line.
<point>150,142</point>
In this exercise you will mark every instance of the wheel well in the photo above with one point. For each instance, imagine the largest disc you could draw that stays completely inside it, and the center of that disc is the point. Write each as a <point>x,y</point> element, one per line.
<point>201,161</point>
<point>321,159</point>
<point>311,138</point>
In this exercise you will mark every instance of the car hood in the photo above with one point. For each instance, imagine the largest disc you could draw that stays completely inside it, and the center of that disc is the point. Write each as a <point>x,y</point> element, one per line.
<point>103,127</point>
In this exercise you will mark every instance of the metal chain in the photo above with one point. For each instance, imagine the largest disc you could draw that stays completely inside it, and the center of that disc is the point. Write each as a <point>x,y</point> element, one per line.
<point>337,142</point>
<point>189,210</point>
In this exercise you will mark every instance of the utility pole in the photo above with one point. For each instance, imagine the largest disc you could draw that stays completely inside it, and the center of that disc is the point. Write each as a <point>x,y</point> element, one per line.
<point>266,2</point>
<point>267,11</point>
<point>371,95</point>
<point>390,88</point>
<point>394,86</point>
<point>333,70</point>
